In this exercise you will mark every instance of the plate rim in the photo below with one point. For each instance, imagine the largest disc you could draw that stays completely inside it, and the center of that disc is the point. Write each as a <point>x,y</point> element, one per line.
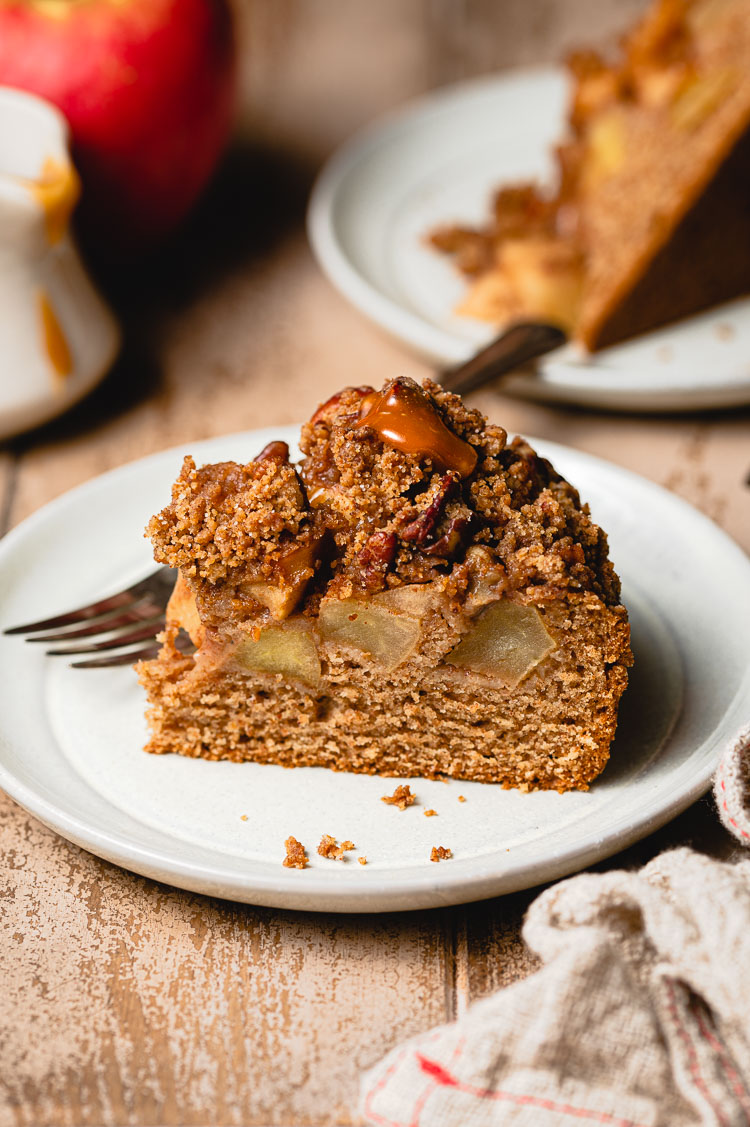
<point>438,345</point>
<point>465,880</point>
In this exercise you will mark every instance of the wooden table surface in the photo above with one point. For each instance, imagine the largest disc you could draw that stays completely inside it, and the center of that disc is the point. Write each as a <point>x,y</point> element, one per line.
<point>129,1002</point>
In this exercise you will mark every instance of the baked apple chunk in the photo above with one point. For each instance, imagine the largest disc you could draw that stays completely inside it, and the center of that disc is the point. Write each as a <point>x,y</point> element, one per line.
<point>287,650</point>
<point>387,626</point>
<point>506,642</point>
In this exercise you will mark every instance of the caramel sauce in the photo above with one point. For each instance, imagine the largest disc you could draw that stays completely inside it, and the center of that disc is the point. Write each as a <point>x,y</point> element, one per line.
<point>55,344</point>
<point>299,564</point>
<point>315,494</point>
<point>404,417</point>
<point>56,191</point>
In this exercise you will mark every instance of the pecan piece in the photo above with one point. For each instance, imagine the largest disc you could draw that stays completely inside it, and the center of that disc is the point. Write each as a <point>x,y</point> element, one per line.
<point>322,411</point>
<point>273,452</point>
<point>375,559</point>
<point>452,539</point>
<point>423,526</point>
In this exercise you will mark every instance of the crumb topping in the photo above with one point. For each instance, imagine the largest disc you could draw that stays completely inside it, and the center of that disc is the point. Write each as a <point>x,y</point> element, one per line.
<point>233,530</point>
<point>401,797</point>
<point>430,813</point>
<point>374,507</point>
<point>227,518</point>
<point>399,515</point>
<point>362,860</point>
<point>440,853</point>
<point>461,798</point>
<point>296,857</point>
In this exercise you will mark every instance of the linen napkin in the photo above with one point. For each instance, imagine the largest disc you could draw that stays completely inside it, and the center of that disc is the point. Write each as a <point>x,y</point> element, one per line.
<point>639,1016</point>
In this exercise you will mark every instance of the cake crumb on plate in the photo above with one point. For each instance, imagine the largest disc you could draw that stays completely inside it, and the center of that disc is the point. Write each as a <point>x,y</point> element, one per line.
<point>331,849</point>
<point>401,797</point>
<point>296,857</point>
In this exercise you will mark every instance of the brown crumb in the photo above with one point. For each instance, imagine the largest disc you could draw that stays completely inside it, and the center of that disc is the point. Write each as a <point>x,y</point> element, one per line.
<point>440,853</point>
<point>331,849</point>
<point>362,860</point>
<point>243,817</point>
<point>461,798</point>
<point>401,797</point>
<point>430,813</point>
<point>296,857</point>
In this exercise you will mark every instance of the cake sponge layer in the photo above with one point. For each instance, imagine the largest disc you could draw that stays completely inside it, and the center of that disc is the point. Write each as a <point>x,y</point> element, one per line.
<point>551,731</point>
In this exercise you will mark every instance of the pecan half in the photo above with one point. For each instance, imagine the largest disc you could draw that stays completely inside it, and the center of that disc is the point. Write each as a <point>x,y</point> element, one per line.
<point>273,452</point>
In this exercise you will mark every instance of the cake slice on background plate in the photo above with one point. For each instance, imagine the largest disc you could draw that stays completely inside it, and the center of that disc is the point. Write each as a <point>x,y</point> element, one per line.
<point>418,596</point>
<point>649,220</point>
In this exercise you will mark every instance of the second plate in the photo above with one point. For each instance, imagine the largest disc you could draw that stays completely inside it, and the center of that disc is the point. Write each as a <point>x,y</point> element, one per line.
<point>438,161</point>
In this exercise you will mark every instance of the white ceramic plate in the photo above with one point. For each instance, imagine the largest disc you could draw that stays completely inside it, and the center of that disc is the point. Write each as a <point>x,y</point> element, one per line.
<point>70,741</point>
<point>438,161</point>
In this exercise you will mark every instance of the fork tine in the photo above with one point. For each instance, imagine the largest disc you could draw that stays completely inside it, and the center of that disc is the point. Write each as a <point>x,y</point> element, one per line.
<point>94,610</point>
<point>156,586</point>
<point>102,626</point>
<point>127,639</point>
<point>183,643</point>
<point>118,659</point>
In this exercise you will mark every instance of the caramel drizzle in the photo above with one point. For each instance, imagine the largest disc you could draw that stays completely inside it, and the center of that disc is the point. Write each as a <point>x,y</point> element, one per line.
<point>403,416</point>
<point>55,342</point>
<point>56,191</point>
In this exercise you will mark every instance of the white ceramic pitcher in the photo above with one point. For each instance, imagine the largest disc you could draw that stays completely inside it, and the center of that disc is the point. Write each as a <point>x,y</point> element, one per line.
<point>57,337</point>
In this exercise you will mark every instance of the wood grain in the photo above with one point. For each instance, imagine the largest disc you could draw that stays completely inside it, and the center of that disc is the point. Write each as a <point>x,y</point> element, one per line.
<point>129,1003</point>
<point>125,1001</point>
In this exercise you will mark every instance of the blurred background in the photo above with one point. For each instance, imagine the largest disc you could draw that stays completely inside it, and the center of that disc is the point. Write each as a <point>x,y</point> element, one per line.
<point>233,300</point>
<point>313,71</point>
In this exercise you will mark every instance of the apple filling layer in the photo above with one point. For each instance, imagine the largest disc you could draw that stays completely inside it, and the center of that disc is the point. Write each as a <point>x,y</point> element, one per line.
<point>505,641</point>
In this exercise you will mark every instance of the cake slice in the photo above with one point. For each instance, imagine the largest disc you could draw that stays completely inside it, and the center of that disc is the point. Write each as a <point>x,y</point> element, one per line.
<point>418,596</point>
<point>649,220</point>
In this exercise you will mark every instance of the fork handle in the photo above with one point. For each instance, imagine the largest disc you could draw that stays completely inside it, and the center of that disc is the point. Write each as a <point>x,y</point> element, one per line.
<point>522,342</point>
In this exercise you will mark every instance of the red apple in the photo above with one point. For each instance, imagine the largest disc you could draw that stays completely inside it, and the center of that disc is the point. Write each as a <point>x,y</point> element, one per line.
<point>148,89</point>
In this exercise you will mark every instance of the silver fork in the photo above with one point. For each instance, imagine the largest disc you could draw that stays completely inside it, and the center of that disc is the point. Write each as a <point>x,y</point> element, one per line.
<point>132,616</point>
